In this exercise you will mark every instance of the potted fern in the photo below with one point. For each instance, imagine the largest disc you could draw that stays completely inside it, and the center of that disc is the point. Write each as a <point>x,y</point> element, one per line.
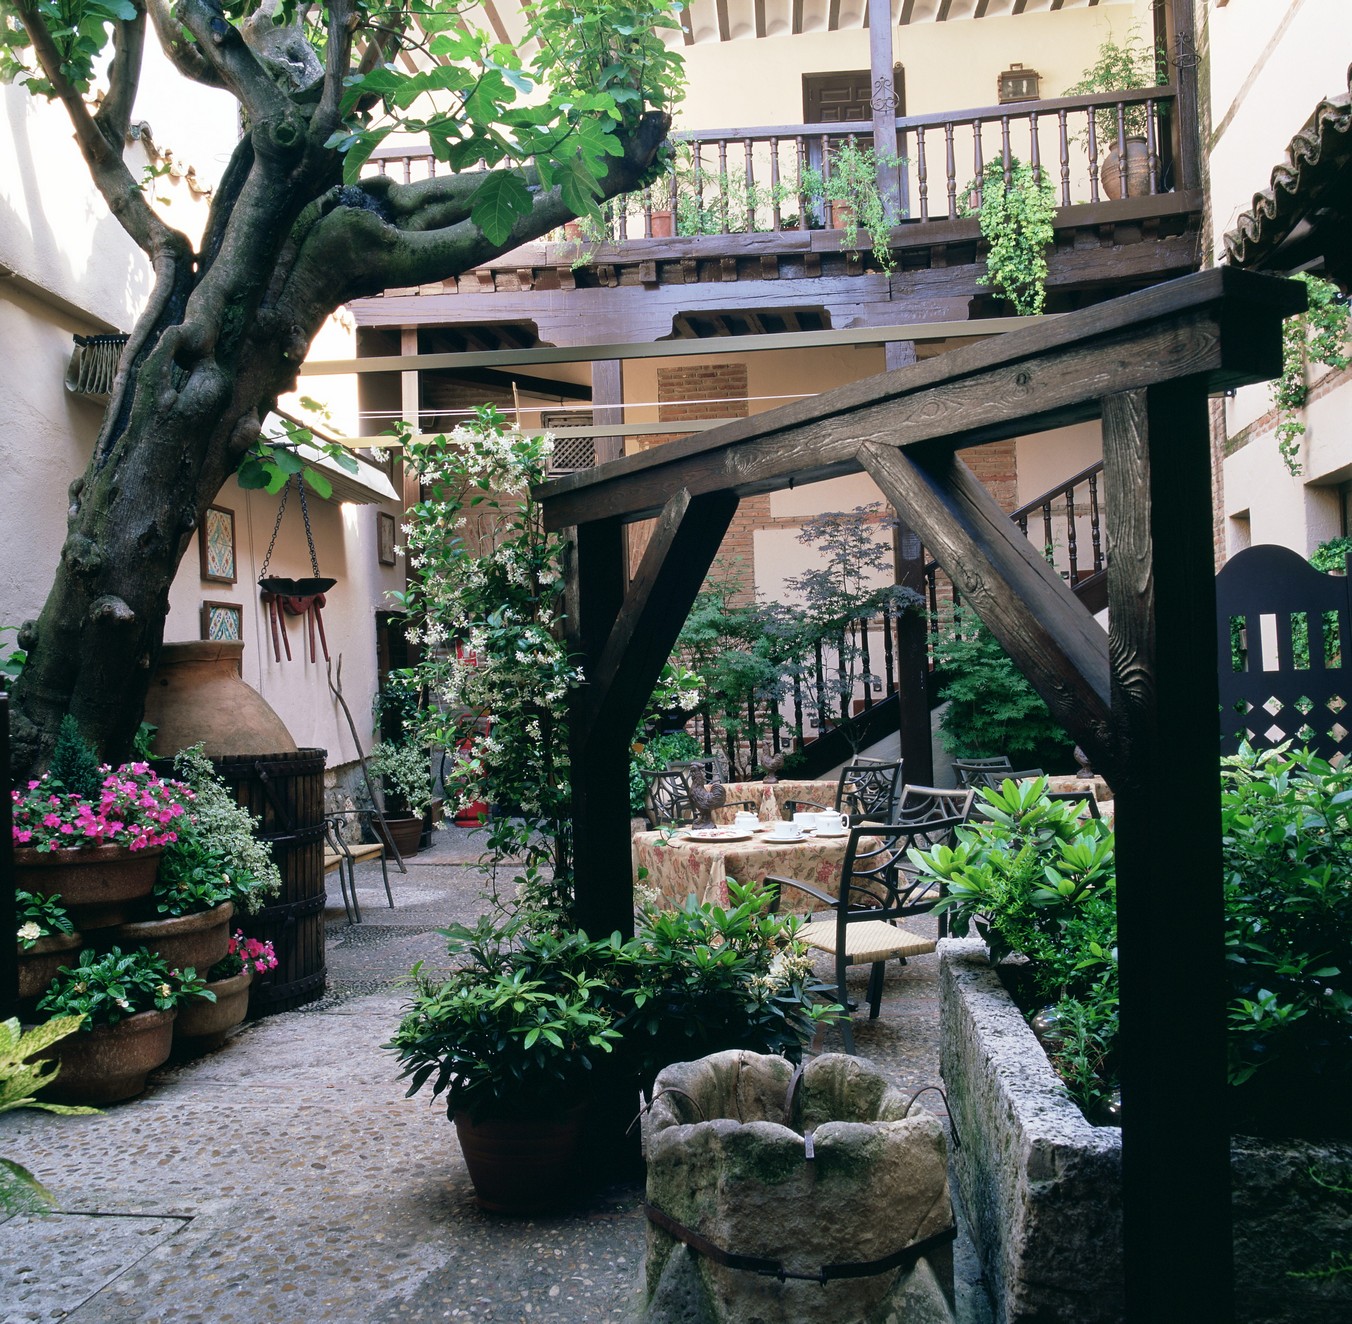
<point>849,186</point>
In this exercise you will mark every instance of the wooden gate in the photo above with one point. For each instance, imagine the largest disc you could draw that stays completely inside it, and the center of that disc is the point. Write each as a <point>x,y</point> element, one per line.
<point>1283,631</point>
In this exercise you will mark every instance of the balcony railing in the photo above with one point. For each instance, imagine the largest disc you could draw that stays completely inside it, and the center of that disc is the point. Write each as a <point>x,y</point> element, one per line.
<point>734,181</point>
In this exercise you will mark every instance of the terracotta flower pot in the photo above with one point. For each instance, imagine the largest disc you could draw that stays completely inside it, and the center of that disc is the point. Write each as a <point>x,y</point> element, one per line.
<point>1135,172</point>
<point>663,223</point>
<point>522,1165</point>
<point>111,1062</point>
<point>405,833</point>
<point>202,1024</point>
<point>197,940</point>
<point>39,964</point>
<point>98,885</point>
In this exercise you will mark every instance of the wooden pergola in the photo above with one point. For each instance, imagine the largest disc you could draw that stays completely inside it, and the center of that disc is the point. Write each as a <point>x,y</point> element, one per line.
<point>1140,699</point>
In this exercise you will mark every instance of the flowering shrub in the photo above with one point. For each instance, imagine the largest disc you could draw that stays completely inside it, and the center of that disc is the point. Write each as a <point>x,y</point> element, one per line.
<point>106,989</point>
<point>133,808</point>
<point>405,771</point>
<point>39,917</point>
<point>487,607</point>
<point>252,954</point>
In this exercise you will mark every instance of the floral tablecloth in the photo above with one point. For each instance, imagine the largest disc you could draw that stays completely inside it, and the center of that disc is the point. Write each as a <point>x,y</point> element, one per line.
<point>771,797</point>
<point>677,867</point>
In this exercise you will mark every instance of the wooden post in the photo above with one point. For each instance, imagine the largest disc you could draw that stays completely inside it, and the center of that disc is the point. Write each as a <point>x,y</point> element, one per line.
<point>607,402</point>
<point>603,890</point>
<point>912,633</point>
<point>1181,46</point>
<point>1165,702</point>
<point>884,100</point>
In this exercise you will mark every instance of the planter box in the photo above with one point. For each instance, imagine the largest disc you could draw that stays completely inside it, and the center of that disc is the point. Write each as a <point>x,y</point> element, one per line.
<point>1042,1187</point>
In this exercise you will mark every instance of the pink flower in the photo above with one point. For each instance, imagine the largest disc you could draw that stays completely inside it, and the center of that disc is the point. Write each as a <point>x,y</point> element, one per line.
<point>22,835</point>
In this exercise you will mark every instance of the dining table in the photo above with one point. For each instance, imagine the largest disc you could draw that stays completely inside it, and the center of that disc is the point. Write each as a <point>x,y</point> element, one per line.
<point>677,865</point>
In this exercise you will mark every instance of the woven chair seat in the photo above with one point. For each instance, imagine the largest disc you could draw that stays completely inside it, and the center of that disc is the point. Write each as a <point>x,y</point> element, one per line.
<point>867,941</point>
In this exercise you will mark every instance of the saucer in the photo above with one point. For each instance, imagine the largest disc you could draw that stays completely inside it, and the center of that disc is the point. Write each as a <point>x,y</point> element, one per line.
<point>822,832</point>
<point>783,836</point>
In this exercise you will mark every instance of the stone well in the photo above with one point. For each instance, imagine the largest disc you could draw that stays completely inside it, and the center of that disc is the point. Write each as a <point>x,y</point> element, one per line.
<point>728,1164</point>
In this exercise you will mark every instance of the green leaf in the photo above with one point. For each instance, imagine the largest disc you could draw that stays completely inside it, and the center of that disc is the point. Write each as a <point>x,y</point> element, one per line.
<point>499,201</point>
<point>316,480</point>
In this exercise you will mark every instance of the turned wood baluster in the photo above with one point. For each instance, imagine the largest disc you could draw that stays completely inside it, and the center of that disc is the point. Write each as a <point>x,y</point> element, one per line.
<point>776,220</point>
<point>1072,538</point>
<point>1152,155</point>
<point>1063,148</point>
<point>866,663</point>
<point>921,171</point>
<point>800,164</point>
<point>951,167</point>
<point>978,166</point>
<point>750,188</point>
<point>723,184</point>
<point>1121,112</point>
<point>1048,538</point>
<point>648,213</point>
<point>1094,535</point>
<point>1093,158</point>
<point>699,189</point>
<point>889,664</point>
<point>1034,147</point>
<point>1005,155</point>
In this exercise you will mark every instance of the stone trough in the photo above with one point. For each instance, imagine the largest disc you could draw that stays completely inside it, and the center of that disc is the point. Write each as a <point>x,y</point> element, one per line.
<point>761,1185</point>
<point>1042,1187</point>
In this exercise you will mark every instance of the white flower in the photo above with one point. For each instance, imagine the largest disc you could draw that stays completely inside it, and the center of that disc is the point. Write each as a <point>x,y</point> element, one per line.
<point>30,932</point>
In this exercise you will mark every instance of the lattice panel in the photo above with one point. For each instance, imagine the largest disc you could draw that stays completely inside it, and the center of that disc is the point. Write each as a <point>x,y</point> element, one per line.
<point>571,454</point>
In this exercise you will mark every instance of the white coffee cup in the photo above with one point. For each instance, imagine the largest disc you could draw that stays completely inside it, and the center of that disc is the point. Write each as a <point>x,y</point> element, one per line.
<point>745,820</point>
<point>783,831</point>
<point>832,823</point>
<point>804,819</point>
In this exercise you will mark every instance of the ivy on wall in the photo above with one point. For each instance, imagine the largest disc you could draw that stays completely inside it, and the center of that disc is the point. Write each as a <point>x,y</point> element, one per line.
<point>1317,335</point>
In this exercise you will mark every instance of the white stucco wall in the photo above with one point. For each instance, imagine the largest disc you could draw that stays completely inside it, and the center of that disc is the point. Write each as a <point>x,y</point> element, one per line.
<point>1270,62</point>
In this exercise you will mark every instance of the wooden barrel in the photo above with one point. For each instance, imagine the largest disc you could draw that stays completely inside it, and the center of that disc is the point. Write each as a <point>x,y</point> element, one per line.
<point>286,791</point>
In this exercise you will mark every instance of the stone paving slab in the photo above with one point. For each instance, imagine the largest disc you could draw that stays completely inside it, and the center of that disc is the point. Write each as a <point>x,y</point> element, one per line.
<point>286,1175</point>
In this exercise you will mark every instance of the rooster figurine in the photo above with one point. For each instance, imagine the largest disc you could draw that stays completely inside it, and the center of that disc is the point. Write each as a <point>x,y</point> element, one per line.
<point>705,796</point>
<point>771,765</point>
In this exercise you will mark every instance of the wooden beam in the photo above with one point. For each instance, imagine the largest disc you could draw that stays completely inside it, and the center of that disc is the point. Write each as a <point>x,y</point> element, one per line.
<point>621,670</point>
<point>907,8</point>
<point>797,17</point>
<point>1047,375</point>
<point>1165,706</point>
<point>760,17</point>
<point>680,550</point>
<point>724,28</point>
<point>687,28</point>
<point>883,83</point>
<point>505,358</point>
<point>833,16</point>
<point>1028,607</point>
<point>607,395</point>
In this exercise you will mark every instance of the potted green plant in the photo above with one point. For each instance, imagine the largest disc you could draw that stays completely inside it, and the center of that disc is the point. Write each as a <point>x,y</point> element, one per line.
<point>405,771</point>
<point>202,1023</point>
<point>849,185</point>
<point>47,941</point>
<point>1016,219</point>
<point>126,1002</point>
<point>1120,67</point>
<point>92,834</point>
<point>511,1041</point>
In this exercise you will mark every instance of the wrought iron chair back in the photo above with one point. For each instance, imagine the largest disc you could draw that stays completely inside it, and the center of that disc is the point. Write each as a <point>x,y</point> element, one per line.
<point>878,887</point>
<point>972,772</point>
<point>666,797</point>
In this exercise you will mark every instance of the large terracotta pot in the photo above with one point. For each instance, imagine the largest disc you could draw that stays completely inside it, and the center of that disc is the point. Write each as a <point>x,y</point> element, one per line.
<point>198,694</point>
<point>522,1165</point>
<point>38,965</point>
<point>1136,173</point>
<point>111,1062</point>
<point>98,885</point>
<point>202,1025</point>
<point>197,940</point>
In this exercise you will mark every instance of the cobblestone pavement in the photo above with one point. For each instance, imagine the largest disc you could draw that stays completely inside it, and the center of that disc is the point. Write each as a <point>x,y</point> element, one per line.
<point>286,1175</point>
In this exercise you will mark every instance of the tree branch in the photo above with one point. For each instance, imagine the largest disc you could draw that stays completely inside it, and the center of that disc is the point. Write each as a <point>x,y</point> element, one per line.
<point>124,77</point>
<point>352,251</point>
<point>337,60</point>
<point>239,69</point>
<point>185,56</point>
<point>106,166</point>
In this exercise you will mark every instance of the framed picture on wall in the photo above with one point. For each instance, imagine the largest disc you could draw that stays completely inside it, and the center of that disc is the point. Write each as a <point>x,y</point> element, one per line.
<point>222,621</point>
<point>385,524</point>
<point>216,544</point>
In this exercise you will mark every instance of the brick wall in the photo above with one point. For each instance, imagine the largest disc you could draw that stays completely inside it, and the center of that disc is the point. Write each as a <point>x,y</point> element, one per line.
<point>996,467</point>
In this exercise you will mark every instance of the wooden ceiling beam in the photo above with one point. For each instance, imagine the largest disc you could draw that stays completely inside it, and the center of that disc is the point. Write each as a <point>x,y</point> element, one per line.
<point>724,26</point>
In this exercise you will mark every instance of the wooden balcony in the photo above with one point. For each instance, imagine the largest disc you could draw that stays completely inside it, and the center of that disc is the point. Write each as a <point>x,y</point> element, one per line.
<point>745,187</point>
